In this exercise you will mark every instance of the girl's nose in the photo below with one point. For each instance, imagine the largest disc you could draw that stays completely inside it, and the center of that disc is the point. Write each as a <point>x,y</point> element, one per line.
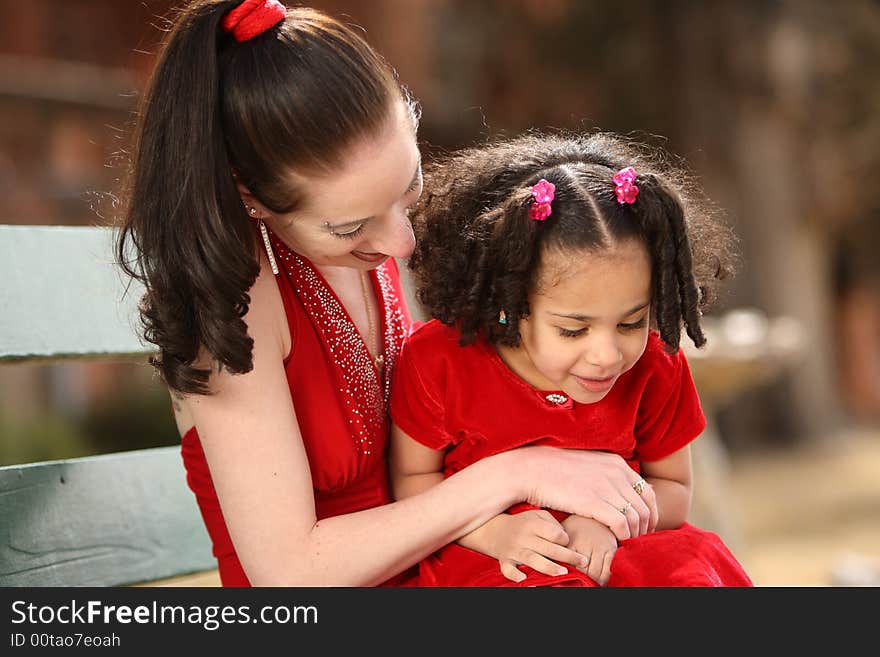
<point>603,352</point>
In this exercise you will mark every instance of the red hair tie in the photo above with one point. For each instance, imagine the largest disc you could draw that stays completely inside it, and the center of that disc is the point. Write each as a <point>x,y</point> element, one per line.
<point>253,17</point>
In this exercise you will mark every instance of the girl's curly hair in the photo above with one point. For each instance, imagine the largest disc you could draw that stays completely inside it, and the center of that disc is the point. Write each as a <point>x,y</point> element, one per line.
<point>478,252</point>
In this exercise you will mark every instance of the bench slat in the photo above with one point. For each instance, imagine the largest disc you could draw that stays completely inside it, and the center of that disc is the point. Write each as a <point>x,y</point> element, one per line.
<point>62,296</point>
<point>100,521</point>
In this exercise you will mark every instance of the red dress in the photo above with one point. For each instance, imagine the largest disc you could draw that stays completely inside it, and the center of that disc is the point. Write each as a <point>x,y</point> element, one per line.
<point>339,396</point>
<point>466,401</point>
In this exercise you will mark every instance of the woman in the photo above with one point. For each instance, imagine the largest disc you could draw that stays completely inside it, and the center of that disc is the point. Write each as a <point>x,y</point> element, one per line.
<point>275,165</point>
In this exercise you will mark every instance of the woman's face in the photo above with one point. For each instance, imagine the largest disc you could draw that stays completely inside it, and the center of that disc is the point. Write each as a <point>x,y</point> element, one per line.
<point>588,323</point>
<point>357,216</point>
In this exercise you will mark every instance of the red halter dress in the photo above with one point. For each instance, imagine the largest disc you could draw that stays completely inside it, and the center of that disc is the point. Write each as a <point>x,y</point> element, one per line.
<point>340,397</point>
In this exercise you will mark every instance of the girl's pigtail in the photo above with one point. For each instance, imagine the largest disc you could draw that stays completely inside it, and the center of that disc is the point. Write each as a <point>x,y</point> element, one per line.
<point>676,292</point>
<point>510,254</point>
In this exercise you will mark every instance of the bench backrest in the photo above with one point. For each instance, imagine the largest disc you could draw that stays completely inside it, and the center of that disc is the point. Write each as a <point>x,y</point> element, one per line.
<point>97,521</point>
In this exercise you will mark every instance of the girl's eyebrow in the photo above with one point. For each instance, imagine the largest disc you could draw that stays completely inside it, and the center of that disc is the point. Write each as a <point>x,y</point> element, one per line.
<point>355,222</point>
<point>584,318</point>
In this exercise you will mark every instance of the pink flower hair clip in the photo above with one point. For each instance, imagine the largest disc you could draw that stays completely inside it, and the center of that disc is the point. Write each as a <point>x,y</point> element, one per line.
<point>543,193</point>
<point>625,187</point>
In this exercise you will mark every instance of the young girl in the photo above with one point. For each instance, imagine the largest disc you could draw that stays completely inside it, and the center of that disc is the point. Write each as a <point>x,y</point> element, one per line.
<point>275,166</point>
<point>560,272</point>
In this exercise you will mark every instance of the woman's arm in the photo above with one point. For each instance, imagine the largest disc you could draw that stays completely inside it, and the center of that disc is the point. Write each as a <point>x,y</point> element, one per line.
<point>532,538</point>
<point>249,432</point>
<point>258,463</point>
<point>671,479</point>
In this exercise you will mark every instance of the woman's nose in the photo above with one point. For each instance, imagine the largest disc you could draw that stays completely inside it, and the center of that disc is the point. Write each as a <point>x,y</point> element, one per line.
<point>396,236</point>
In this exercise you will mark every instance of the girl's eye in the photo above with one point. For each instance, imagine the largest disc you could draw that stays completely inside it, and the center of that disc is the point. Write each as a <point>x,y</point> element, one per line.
<point>569,333</point>
<point>635,326</point>
<point>351,233</point>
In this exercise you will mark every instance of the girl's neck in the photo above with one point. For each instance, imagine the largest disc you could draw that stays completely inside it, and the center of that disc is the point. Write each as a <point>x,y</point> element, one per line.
<point>518,362</point>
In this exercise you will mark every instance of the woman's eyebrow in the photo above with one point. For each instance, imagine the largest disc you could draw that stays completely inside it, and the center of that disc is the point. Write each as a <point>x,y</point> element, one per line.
<point>355,222</point>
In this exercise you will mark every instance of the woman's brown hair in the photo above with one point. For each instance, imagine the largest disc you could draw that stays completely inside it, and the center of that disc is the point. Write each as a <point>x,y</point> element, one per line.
<point>478,252</point>
<point>293,97</point>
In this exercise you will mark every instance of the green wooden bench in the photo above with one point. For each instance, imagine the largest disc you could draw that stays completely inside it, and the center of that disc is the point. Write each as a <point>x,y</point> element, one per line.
<point>129,517</point>
<point>111,520</point>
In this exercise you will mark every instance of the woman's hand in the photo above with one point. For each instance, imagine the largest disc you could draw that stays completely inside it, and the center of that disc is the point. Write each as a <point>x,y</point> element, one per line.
<point>593,484</point>
<point>532,538</point>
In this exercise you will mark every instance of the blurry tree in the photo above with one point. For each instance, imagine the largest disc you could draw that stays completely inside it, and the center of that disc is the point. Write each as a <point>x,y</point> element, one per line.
<point>776,105</point>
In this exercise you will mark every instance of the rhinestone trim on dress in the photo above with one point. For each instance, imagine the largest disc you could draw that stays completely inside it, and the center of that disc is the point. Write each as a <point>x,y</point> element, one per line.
<point>365,396</point>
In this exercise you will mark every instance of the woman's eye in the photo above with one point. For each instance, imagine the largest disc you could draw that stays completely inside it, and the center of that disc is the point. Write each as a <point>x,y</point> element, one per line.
<point>417,182</point>
<point>571,333</point>
<point>354,232</point>
<point>634,326</point>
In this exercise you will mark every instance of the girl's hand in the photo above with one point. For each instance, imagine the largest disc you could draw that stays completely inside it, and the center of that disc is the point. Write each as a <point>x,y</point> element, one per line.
<point>596,542</point>
<point>531,538</point>
<point>593,484</point>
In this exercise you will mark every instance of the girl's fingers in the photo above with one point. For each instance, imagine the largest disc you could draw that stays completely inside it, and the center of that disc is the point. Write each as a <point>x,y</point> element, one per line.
<point>606,568</point>
<point>550,529</point>
<point>511,572</point>
<point>597,562</point>
<point>543,565</point>
<point>562,554</point>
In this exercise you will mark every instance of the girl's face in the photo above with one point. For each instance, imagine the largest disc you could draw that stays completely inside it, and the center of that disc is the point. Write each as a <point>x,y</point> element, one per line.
<point>357,216</point>
<point>589,321</point>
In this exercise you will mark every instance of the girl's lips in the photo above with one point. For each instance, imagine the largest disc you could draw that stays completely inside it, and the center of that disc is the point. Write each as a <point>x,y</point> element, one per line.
<point>369,257</point>
<point>596,385</point>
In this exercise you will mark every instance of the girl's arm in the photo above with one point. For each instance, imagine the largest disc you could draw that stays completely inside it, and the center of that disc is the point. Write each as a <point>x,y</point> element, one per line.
<point>671,479</point>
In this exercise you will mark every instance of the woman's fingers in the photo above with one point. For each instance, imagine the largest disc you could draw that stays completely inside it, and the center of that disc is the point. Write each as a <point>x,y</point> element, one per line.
<point>651,500</point>
<point>635,510</point>
<point>642,515</point>
<point>583,482</point>
<point>610,516</point>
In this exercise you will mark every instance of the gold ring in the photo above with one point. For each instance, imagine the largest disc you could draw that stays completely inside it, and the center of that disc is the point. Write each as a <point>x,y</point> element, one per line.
<point>625,508</point>
<point>639,486</point>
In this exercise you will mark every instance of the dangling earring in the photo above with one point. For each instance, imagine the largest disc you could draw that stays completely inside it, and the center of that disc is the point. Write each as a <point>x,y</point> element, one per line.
<point>252,211</point>
<point>269,251</point>
<point>502,317</point>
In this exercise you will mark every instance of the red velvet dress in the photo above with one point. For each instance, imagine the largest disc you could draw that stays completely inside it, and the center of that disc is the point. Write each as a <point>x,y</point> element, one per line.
<point>466,401</point>
<point>340,400</point>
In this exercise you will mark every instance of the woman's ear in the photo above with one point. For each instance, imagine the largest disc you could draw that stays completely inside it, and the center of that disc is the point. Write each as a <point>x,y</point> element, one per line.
<point>254,208</point>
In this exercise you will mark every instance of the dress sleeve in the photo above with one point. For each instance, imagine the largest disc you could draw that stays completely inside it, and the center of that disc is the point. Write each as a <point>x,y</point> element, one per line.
<point>416,399</point>
<point>670,415</point>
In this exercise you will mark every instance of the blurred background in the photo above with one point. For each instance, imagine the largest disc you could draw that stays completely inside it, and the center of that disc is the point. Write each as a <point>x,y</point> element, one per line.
<point>773,105</point>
